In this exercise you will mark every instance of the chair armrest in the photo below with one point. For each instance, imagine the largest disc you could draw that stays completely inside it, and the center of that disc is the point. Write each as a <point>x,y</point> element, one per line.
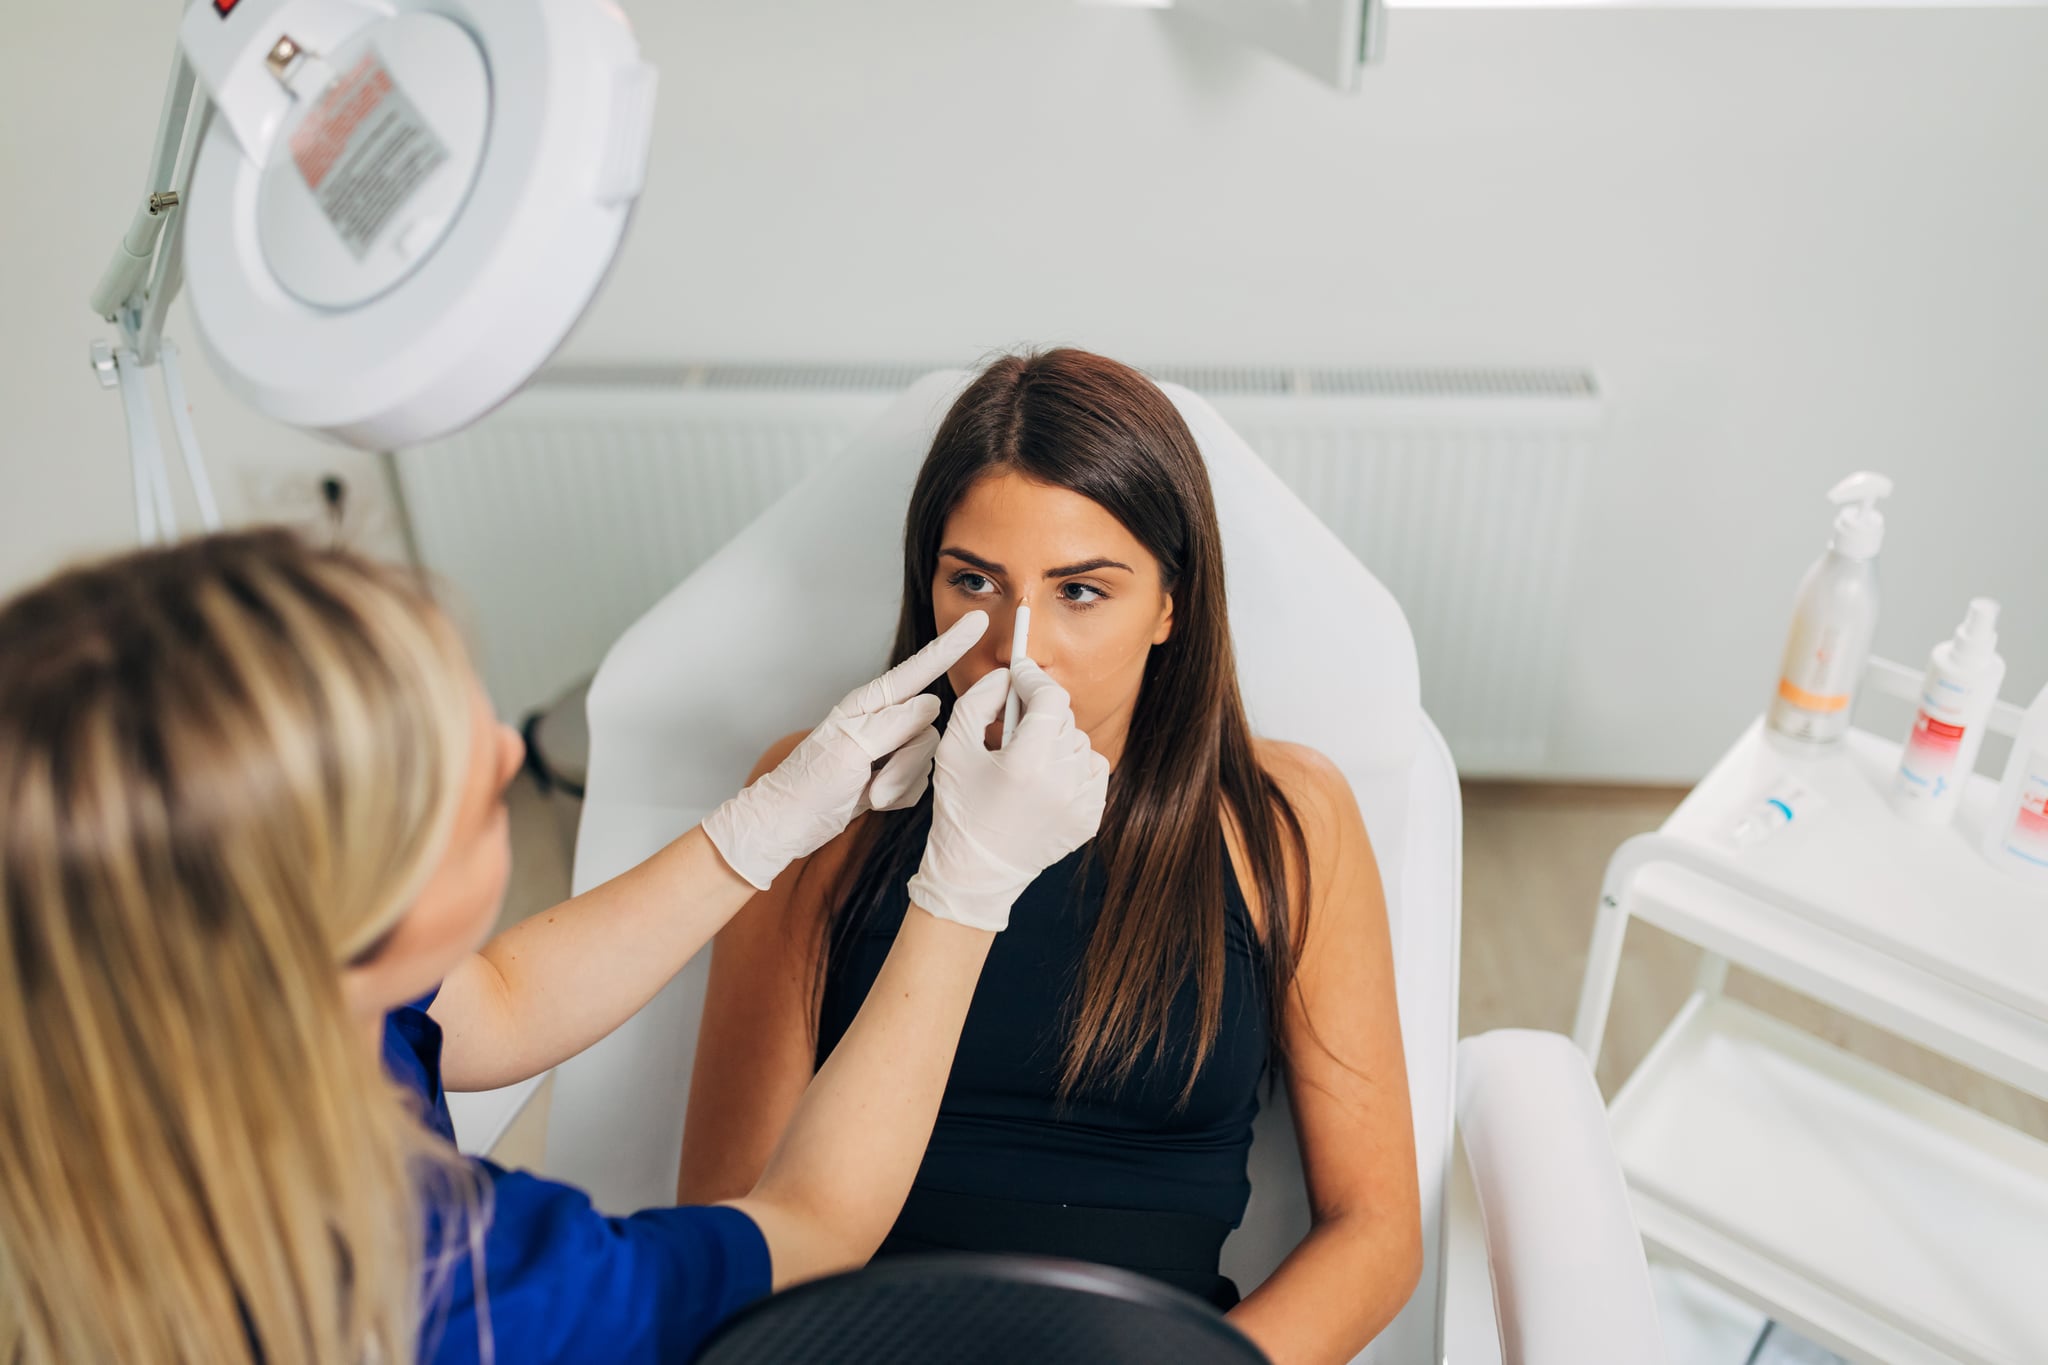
<point>1571,1285</point>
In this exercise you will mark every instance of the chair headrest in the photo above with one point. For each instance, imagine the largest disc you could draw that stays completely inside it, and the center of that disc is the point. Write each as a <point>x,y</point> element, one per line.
<point>800,606</point>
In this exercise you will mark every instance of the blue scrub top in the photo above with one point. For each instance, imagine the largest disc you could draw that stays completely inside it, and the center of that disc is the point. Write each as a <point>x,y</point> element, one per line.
<point>564,1282</point>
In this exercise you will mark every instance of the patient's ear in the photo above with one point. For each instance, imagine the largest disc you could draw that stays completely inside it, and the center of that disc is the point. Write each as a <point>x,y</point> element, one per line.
<point>1165,630</point>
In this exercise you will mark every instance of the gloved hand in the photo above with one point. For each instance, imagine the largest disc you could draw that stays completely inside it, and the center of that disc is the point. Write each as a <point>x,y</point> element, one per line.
<point>808,798</point>
<point>999,818</point>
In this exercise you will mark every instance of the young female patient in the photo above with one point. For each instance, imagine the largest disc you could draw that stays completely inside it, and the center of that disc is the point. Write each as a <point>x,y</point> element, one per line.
<point>1227,919</point>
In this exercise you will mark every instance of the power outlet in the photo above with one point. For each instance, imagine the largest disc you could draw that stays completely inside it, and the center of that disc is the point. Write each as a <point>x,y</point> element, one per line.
<point>352,505</point>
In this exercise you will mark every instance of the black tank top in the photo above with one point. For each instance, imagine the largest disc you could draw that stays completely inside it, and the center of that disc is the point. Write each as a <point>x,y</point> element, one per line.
<point>1004,1134</point>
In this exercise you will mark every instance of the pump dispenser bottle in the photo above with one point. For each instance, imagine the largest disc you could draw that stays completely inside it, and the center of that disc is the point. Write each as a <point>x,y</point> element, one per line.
<point>1832,621</point>
<point>1963,677</point>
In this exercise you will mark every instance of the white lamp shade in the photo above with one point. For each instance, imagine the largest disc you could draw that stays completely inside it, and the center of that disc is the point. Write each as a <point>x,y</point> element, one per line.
<point>389,236</point>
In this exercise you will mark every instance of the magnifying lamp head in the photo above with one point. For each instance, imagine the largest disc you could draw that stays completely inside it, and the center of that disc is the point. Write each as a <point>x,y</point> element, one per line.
<point>401,207</point>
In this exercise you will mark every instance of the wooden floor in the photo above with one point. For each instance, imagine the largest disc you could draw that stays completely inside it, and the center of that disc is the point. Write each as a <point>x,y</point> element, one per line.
<point>1534,856</point>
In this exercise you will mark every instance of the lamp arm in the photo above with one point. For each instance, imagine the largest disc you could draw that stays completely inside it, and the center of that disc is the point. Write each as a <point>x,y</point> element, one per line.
<point>135,293</point>
<point>122,288</point>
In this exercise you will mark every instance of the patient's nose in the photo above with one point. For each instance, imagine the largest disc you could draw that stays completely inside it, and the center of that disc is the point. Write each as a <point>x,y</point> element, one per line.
<point>1002,629</point>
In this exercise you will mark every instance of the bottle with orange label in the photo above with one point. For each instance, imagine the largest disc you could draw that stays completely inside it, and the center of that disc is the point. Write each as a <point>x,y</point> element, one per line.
<point>1832,621</point>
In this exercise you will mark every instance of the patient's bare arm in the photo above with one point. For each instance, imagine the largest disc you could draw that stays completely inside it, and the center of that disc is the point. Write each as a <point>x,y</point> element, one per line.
<point>1349,1092</point>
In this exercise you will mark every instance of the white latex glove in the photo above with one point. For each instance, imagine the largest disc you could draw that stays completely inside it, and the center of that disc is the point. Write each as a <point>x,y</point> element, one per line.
<point>808,798</point>
<point>1001,817</point>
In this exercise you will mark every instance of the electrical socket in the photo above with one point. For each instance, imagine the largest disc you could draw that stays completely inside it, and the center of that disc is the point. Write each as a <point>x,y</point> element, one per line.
<point>350,503</point>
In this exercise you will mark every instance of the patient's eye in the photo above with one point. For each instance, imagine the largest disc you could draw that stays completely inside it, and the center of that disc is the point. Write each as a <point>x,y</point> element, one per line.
<point>972,583</point>
<point>1081,594</point>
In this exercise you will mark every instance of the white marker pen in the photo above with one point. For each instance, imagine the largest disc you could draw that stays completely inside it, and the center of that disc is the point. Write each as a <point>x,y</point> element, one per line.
<point>1019,638</point>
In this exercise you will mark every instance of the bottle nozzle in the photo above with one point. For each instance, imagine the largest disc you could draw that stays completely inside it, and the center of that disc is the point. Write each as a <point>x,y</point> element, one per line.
<point>1859,526</point>
<point>1978,634</point>
<point>1864,487</point>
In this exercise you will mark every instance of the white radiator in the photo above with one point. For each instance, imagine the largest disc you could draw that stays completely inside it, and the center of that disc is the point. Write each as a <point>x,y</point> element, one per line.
<point>560,518</point>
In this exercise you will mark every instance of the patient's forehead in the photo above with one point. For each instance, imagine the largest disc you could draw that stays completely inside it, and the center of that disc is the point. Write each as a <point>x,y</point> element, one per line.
<point>1029,526</point>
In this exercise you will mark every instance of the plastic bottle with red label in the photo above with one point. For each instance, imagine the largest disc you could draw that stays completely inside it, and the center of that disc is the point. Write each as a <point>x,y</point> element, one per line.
<point>1963,677</point>
<point>2017,839</point>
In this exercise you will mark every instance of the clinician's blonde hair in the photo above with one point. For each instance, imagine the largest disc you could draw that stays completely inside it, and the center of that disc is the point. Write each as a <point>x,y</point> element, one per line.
<point>227,768</point>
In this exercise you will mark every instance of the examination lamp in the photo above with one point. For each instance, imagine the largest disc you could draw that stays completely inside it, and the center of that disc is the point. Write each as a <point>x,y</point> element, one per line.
<point>389,213</point>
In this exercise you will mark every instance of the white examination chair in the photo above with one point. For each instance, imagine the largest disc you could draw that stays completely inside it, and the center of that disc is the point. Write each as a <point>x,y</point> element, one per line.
<point>800,606</point>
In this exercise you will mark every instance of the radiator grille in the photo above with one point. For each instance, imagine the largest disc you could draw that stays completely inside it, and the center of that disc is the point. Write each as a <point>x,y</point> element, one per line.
<point>565,515</point>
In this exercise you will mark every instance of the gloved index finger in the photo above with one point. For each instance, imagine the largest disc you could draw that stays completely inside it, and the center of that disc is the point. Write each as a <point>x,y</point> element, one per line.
<point>1047,709</point>
<point>921,669</point>
<point>1036,689</point>
<point>981,703</point>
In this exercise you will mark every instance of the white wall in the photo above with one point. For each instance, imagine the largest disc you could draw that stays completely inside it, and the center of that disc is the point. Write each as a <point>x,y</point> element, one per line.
<point>80,86</point>
<point>1792,244</point>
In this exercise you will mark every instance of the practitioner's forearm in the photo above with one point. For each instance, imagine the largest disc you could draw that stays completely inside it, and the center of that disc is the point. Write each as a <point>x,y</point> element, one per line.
<point>555,983</point>
<point>845,1165</point>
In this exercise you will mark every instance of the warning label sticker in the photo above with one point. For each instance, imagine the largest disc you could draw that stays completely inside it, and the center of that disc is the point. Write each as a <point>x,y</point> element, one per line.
<point>364,151</point>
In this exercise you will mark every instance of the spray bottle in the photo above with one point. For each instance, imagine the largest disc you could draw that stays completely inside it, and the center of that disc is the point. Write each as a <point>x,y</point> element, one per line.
<point>1833,620</point>
<point>1963,676</point>
<point>2017,838</point>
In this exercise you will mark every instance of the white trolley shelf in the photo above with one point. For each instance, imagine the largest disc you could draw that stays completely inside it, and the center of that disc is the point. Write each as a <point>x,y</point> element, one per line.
<point>1881,1219</point>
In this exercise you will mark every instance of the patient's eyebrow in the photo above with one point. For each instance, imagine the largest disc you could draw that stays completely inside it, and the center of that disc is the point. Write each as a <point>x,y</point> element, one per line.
<point>985,565</point>
<point>1088,566</point>
<point>989,566</point>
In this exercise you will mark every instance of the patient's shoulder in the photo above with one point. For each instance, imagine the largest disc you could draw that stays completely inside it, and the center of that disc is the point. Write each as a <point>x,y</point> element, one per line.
<point>1322,800</point>
<point>1305,776</point>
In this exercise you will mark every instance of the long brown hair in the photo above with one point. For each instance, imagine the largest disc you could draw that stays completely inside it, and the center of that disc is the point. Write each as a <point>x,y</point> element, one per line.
<point>1086,423</point>
<point>226,769</point>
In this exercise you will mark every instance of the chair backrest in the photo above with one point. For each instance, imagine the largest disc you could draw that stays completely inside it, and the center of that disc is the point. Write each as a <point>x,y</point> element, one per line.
<point>800,606</point>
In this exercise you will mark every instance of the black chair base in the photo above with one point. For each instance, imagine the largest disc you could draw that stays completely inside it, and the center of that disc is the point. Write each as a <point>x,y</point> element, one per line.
<point>987,1310</point>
